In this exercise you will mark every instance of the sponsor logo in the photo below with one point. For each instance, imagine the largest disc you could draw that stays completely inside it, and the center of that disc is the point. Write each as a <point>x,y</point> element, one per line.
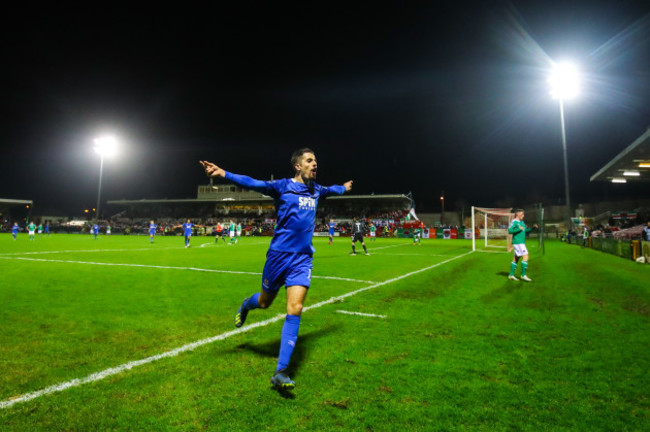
<point>306,203</point>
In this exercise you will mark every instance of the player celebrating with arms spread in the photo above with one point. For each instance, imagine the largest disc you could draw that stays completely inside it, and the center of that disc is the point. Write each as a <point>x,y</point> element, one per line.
<point>290,255</point>
<point>518,230</point>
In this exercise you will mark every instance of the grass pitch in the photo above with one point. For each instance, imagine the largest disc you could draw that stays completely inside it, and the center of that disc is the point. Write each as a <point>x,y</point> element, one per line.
<point>456,346</point>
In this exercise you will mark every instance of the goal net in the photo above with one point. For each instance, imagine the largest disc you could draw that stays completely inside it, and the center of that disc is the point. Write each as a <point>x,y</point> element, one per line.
<point>490,228</point>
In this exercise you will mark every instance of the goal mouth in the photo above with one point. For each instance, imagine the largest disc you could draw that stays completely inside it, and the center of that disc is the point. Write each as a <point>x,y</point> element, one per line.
<point>490,229</point>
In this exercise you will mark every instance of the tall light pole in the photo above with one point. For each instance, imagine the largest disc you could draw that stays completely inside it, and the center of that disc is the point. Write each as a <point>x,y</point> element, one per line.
<point>104,146</point>
<point>564,85</point>
<point>442,203</point>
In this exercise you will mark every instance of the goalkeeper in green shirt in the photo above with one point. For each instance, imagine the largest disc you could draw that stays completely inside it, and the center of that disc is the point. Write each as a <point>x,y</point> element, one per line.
<point>518,231</point>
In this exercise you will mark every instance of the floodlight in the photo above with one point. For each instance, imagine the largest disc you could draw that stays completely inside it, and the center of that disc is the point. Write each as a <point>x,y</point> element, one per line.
<point>564,81</point>
<point>618,180</point>
<point>644,165</point>
<point>564,85</point>
<point>105,146</point>
<point>631,173</point>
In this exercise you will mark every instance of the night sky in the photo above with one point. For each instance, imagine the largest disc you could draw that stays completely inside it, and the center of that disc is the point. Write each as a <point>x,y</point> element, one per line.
<point>447,96</point>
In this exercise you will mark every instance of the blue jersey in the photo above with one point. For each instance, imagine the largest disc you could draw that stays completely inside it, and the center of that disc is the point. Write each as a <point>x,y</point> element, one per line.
<point>295,204</point>
<point>332,225</point>
<point>187,227</point>
<point>47,228</point>
<point>152,228</point>
<point>14,229</point>
<point>95,229</point>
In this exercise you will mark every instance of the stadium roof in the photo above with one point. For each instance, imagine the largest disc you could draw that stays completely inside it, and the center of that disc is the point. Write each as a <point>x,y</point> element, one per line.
<point>10,202</point>
<point>632,164</point>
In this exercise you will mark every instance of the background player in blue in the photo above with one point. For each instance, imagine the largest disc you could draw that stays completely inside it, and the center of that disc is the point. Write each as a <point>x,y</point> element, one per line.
<point>331,225</point>
<point>95,230</point>
<point>152,231</point>
<point>14,230</point>
<point>289,259</point>
<point>47,228</point>
<point>187,230</point>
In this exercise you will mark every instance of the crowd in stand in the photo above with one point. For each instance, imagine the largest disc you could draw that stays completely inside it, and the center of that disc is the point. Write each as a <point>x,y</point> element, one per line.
<point>262,225</point>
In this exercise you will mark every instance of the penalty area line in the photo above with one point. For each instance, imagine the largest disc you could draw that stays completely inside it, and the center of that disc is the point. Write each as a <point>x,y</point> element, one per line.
<point>171,268</point>
<point>97,376</point>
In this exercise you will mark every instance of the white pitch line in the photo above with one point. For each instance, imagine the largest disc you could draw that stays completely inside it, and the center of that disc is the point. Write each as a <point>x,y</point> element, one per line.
<point>361,314</point>
<point>387,247</point>
<point>407,254</point>
<point>88,250</point>
<point>171,268</point>
<point>97,376</point>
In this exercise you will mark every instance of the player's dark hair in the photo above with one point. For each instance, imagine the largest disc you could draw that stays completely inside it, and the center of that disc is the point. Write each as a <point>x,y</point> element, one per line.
<point>295,157</point>
<point>517,210</point>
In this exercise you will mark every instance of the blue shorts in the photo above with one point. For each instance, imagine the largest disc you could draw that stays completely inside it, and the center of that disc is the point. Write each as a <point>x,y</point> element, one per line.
<point>152,232</point>
<point>286,268</point>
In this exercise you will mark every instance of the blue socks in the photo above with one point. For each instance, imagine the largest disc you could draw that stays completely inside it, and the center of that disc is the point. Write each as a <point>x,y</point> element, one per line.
<point>288,341</point>
<point>252,302</point>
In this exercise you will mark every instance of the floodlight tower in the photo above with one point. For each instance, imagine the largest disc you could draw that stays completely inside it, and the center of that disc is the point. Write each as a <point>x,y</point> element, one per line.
<point>104,146</point>
<point>564,85</point>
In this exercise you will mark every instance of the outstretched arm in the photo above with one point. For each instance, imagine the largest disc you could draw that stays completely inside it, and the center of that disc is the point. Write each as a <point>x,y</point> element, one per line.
<point>212,170</point>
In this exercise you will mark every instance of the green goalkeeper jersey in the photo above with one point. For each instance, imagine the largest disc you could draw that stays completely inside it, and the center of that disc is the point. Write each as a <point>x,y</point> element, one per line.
<point>518,230</point>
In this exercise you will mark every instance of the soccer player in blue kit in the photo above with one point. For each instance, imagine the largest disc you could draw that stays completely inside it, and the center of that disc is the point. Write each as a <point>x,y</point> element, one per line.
<point>289,258</point>
<point>331,226</point>
<point>187,230</point>
<point>95,230</point>
<point>152,231</point>
<point>14,230</point>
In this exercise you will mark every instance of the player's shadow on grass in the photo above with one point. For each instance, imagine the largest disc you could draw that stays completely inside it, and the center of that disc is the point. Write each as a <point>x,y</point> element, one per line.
<point>271,349</point>
<point>506,289</point>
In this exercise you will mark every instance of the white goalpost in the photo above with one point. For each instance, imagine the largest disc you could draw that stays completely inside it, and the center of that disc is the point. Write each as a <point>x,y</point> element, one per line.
<point>491,226</point>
